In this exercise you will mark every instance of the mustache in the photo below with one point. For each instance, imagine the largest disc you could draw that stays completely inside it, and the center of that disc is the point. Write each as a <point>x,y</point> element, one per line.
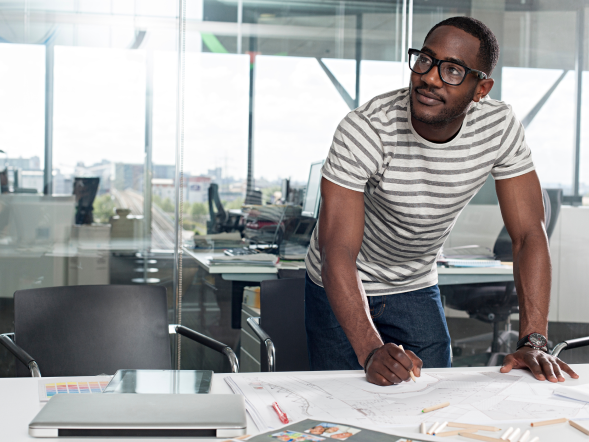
<point>429,91</point>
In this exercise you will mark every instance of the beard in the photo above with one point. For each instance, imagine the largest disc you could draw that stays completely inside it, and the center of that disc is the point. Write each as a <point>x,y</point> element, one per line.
<point>447,114</point>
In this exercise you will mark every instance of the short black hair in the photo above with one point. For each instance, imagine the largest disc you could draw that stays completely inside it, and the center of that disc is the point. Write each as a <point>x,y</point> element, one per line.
<point>489,47</point>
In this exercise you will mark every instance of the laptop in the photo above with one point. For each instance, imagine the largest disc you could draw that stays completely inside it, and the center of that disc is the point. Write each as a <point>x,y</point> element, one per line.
<point>141,415</point>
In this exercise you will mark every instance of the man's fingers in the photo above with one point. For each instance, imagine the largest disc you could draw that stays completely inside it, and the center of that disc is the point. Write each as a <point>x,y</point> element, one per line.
<point>399,355</point>
<point>417,363</point>
<point>397,369</point>
<point>377,378</point>
<point>547,369</point>
<point>508,364</point>
<point>564,367</point>
<point>556,370</point>
<point>534,367</point>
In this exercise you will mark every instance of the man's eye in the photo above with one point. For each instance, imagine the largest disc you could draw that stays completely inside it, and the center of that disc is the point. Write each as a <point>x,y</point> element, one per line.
<point>423,60</point>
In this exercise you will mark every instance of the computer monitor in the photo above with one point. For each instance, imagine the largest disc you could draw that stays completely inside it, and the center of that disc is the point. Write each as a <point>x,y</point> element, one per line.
<point>313,193</point>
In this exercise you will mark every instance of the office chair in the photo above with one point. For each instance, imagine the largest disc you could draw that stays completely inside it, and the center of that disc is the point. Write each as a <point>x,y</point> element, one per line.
<point>95,329</point>
<point>282,307</point>
<point>494,302</point>
<point>221,220</point>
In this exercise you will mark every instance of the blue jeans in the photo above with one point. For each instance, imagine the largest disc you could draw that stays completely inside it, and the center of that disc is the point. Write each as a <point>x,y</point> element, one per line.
<point>414,319</point>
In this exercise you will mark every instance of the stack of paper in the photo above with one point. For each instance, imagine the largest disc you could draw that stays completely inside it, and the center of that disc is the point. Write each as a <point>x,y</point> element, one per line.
<point>578,392</point>
<point>257,260</point>
<point>218,240</point>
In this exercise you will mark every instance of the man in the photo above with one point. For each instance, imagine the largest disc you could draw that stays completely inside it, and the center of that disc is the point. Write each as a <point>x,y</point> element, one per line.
<point>399,172</point>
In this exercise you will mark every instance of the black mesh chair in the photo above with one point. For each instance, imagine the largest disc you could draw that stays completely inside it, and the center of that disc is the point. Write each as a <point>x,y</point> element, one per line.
<point>282,307</point>
<point>92,330</point>
<point>494,302</point>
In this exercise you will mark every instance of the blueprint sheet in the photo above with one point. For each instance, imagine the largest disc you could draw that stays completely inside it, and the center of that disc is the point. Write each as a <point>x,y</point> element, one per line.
<point>475,397</point>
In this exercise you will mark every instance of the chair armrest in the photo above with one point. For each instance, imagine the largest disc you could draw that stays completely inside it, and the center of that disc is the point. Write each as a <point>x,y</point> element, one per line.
<point>20,354</point>
<point>209,342</point>
<point>569,344</point>
<point>254,323</point>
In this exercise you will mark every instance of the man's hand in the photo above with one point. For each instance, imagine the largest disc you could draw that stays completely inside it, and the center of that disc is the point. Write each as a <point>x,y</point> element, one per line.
<point>542,365</point>
<point>390,365</point>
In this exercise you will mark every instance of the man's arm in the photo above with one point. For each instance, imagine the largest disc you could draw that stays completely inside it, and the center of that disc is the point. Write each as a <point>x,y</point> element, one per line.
<point>520,199</point>
<point>341,229</point>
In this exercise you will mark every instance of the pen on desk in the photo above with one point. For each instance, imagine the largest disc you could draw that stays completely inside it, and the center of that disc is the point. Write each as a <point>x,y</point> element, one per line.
<point>281,415</point>
<point>435,407</point>
<point>410,371</point>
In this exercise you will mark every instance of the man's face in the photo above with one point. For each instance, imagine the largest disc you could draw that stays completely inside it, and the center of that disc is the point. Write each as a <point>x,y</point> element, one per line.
<point>433,101</point>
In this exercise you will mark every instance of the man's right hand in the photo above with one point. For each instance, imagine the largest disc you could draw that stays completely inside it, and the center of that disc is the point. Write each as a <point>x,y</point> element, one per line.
<point>390,365</point>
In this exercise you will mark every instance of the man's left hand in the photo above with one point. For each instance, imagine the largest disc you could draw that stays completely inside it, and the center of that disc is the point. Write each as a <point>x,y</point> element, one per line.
<point>542,365</point>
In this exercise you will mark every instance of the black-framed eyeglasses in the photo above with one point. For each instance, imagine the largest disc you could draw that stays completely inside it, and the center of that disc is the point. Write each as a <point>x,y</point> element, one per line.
<point>450,73</point>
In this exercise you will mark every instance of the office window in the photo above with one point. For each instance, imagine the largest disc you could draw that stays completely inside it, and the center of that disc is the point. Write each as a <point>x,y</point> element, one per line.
<point>22,109</point>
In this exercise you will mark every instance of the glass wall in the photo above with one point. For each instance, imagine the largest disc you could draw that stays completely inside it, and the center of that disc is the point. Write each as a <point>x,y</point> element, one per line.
<point>105,144</point>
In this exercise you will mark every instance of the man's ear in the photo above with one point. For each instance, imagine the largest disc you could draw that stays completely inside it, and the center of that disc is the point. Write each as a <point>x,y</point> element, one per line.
<point>483,89</point>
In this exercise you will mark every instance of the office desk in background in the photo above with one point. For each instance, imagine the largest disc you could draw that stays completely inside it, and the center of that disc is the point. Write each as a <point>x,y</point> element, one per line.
<point>19,403</point>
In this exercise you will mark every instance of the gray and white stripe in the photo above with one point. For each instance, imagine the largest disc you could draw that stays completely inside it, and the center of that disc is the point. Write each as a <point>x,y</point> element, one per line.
<point>414,189</point>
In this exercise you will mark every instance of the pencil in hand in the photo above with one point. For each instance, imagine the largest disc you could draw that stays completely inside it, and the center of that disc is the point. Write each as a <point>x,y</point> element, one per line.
<point>410,371</point>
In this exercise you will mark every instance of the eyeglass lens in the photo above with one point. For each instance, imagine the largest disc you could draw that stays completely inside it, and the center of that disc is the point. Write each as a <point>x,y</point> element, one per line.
<point>451,73</point>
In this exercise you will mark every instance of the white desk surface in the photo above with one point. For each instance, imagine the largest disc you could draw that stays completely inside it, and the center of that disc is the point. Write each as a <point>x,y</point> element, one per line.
<point>203,257</point>
<point>19,403</point>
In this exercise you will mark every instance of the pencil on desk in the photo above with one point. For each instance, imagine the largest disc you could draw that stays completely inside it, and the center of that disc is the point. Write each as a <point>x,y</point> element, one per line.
<point>524,437</point>
<point>433,428</point>
<point>550,422</point>
<point>457,432</point>
<point>478,427</point>
<point>410,371</point>
<point>507,433</point>
<point>513,437</point>
<point>478,437</point>
<point>435,407</point>
<point>441,427</point>
<point>579,427</point>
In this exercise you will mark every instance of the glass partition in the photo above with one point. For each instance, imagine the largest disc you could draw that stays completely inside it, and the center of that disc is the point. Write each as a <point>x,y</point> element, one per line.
<point>105,181</point>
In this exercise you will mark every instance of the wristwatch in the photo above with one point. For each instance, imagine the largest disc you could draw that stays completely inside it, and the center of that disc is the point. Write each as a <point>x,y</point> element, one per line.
<point>535,341</point>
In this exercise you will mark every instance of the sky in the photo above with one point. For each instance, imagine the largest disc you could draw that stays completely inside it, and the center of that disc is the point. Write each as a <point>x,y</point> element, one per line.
<point>99,109</point>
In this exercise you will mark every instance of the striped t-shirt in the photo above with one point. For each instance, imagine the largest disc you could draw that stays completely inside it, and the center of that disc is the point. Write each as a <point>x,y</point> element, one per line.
<point>414,189</point>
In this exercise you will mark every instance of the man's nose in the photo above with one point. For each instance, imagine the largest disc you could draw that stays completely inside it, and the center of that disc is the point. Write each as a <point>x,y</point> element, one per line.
<point>433,78</point>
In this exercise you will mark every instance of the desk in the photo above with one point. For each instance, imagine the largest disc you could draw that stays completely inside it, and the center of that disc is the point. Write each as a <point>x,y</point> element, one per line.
<point>446,276</point>
<point>19,403</point>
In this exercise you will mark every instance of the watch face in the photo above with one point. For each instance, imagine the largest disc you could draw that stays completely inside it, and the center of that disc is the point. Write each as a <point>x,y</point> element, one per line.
<point>537,340</point>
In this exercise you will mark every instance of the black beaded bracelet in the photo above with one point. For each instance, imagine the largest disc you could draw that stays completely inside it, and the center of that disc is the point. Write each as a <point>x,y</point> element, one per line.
<point>368,358</point>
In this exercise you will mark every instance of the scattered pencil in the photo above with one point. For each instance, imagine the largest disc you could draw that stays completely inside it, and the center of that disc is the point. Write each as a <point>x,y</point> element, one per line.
<point>550,422</point>
<point>441,427</point>
<point>507,433</point>
<point>578,427</point>
<point>478,437</point>
<point>457,432</point>
<point>410,371</point>
<point>435,407</point>
<point>478,427</point>
<point>433,428</point>
<point>422,428</point>
<point>524,437</point>
<point>515,435</point>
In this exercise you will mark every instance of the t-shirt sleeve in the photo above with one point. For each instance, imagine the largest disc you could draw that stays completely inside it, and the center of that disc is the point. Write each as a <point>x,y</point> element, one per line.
<point>355,155</point>
<point>515,156</point>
